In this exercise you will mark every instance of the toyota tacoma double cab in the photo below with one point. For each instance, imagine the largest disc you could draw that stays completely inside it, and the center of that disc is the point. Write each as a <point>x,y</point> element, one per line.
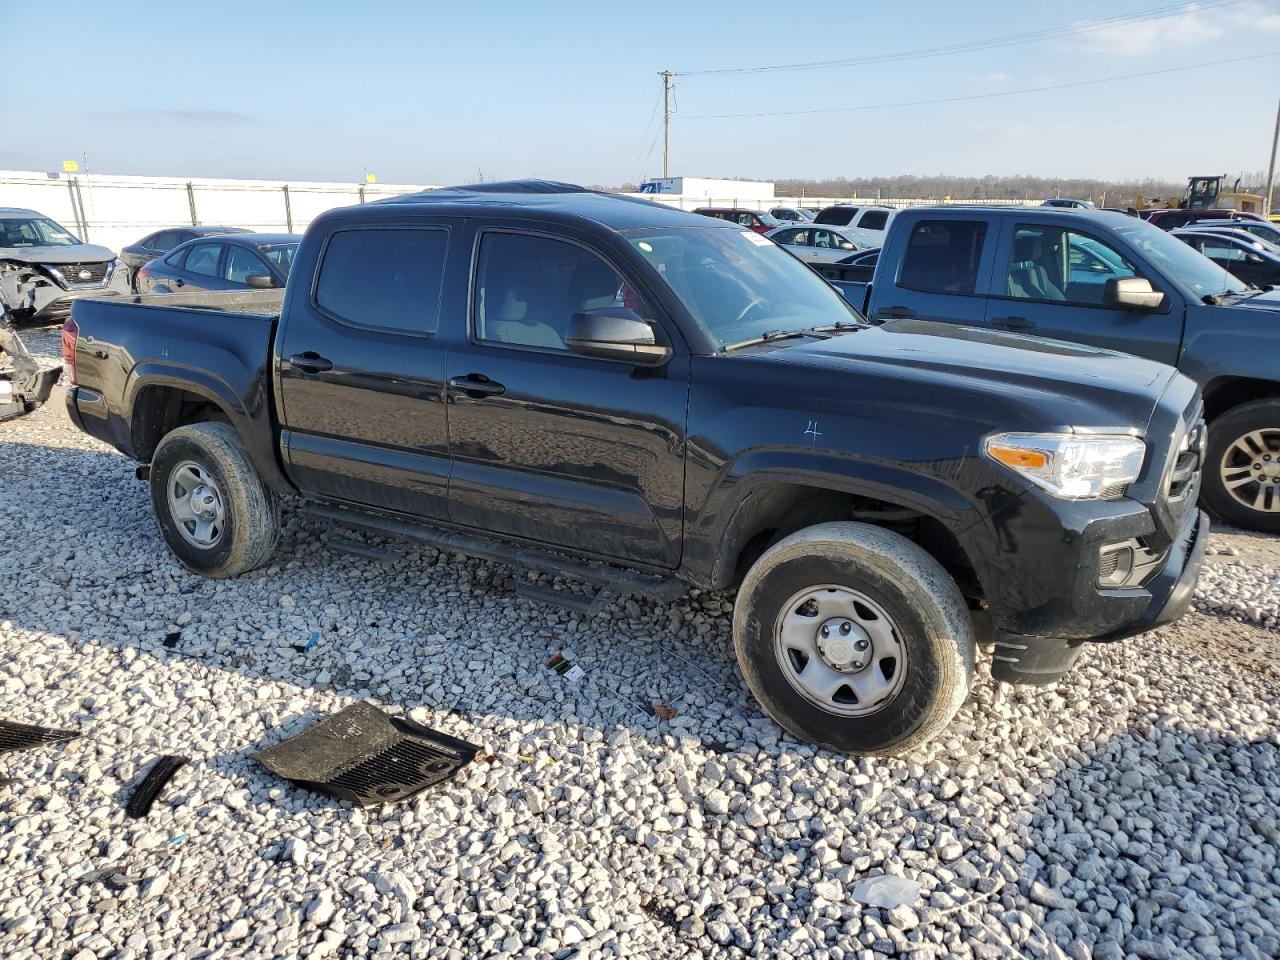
<point>1107,280</point>
<point>608,389</point>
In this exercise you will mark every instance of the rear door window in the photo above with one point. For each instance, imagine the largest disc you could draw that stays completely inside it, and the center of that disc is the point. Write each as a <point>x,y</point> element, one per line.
<point>837,216</point>
<point>943,256</point>
<point>874,220</point>
<point>166,240</point>
<point>387,278</point>
<point>203,259</point>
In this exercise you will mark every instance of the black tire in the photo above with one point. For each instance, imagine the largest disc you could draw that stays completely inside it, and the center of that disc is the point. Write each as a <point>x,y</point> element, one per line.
<point>922,601</point>
<point>1224,431</point>
<point>250,514</point>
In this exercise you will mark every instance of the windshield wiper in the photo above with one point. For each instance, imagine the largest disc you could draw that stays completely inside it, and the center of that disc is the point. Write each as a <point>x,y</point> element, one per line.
<point>770,335</point>
<point>840,326</point>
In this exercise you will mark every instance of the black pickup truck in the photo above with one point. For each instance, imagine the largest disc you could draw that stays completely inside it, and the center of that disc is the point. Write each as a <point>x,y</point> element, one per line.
<point>1107,280</point>
<point>644,399</point>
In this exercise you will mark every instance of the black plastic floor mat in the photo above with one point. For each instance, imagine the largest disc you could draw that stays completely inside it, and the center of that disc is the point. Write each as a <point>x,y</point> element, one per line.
<point>21,736</point>
<point>363,755</point>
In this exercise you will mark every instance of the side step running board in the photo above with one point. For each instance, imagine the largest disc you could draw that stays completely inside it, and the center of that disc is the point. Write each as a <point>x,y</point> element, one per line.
<point>611,578</point>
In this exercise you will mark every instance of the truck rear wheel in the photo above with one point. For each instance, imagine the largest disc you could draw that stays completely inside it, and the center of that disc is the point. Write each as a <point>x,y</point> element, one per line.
<point>1241,480</point>
<point>852,637</point>
<point>210,504</point>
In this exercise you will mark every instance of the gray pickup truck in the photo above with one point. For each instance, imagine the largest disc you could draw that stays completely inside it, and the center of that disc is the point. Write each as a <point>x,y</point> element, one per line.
<point>1112,281</point>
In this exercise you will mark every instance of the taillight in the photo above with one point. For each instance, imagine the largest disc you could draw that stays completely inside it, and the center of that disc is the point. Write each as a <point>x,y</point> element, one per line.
<point>70,330</point>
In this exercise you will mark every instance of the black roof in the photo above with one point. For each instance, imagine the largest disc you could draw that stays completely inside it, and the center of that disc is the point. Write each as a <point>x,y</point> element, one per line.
<point>1084,214</point>
<point>208,231</point>
<point>550,198</point>
<point>246,238</point>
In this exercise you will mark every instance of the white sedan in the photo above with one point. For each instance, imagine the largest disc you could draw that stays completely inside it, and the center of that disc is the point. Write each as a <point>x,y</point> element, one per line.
<point>815,244</point>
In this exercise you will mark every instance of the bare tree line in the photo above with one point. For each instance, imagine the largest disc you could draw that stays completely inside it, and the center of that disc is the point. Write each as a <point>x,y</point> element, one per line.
<point>1111,193</point>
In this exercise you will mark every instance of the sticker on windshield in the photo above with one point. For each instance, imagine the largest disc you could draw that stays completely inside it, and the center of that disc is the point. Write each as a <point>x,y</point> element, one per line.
<point>760,240</point>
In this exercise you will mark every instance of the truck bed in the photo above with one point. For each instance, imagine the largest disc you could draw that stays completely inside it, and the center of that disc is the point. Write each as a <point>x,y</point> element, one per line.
<point>165,354</point>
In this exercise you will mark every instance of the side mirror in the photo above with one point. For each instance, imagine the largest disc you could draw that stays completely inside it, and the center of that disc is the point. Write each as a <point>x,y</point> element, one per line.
<point>1132,293</point>
<point>847,246</point>
<point>260,282</point>
<point>615,333</point>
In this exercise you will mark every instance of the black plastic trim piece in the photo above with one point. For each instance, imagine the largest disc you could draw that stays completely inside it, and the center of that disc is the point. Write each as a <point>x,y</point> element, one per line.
<point>22,736</point>
<point>146,792</point>
<point>475,545</point>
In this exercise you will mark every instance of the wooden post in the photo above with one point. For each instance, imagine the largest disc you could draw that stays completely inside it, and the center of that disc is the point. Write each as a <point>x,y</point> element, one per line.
<point>191,204</point>
<point>288,209</point>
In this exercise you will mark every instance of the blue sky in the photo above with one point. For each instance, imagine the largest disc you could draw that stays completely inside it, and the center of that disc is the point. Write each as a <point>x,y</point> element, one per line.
<point>441,93</point>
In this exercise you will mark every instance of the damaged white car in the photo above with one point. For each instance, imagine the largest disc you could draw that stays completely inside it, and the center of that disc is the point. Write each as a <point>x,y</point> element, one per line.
<point>44,267</point>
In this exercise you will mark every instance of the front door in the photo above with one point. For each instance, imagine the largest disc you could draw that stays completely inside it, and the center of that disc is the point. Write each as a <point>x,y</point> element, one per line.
<point>551,446</point>
<point>1050,282</point>
<point>361,369</point>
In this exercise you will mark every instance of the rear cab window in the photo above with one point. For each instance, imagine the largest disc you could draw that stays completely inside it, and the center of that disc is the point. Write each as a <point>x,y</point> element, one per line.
<point>384,278</point>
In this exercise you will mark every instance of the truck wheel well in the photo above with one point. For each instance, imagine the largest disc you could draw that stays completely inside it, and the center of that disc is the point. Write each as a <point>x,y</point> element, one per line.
<point>1225,393</point>
<point>159,410</point>
<point>783,510</point>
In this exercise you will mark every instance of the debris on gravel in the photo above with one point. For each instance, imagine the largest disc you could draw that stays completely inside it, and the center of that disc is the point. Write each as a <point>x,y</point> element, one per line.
<point>1129,811</point>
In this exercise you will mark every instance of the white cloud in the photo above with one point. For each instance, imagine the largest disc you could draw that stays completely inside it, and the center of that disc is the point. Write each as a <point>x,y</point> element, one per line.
<point>1188,29</point>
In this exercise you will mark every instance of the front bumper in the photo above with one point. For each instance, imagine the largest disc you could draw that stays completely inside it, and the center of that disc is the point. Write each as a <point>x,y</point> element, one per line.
<point>1042,659</point>
<point>41,300</point>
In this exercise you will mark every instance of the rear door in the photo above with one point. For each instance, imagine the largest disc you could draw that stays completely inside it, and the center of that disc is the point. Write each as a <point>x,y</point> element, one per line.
<point>552,446</point>
<point>1050,281</point>
<point>943,271</point>
<point>361,365</point>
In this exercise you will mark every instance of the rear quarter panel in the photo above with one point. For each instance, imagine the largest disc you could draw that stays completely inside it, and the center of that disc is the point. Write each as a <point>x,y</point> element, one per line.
<point>129,346</point>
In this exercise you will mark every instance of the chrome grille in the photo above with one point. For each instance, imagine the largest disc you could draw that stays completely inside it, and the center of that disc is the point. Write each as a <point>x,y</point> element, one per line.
<point>78,274</point>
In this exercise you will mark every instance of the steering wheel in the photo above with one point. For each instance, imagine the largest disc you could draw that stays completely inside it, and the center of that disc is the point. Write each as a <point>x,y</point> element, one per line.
<point>757,302</point>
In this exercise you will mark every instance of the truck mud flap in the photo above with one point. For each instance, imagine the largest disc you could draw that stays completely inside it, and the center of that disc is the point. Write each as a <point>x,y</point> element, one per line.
<point>363,755</point>
<point>21,736</point>
<point>149,788</point>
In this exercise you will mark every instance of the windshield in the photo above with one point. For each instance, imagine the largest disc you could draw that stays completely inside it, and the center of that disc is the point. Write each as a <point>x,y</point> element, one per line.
<point>862,239</point>
<point>280,254</point>
<point>34,232</point>
<point>739,285</point>
<point>1175,259</point>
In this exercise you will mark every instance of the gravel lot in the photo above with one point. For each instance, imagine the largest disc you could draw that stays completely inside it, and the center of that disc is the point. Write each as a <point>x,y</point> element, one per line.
<point>1130,811</point>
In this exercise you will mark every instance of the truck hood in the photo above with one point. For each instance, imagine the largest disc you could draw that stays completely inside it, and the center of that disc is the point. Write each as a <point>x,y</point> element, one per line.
<point>1067,384</point>
<point>76,253</point>
<point>1268,300</point>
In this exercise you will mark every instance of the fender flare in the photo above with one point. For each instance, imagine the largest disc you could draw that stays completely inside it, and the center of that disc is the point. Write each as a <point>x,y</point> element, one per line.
<point>741,484</point>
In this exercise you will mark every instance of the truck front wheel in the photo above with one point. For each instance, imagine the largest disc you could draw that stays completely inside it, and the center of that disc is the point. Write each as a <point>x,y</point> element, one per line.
<point>852,637</point>
<point>212,508</point>
<point>1241,484</point>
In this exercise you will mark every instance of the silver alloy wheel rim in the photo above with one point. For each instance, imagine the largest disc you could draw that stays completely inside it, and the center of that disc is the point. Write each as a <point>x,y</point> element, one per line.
<point>195,503</point>
<point>839,650</point>
<point>1250,470</point>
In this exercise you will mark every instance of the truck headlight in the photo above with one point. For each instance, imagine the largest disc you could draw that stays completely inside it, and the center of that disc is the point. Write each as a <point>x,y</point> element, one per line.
<point>1071,466</point>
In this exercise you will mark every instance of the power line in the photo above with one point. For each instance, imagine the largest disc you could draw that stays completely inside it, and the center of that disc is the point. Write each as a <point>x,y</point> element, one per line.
<point>969,46</point>
<point>645,139</point>
<point>980,96</point>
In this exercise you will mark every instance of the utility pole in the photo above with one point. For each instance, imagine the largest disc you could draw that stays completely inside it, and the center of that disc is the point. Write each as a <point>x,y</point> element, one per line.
<point>1271,167</point>
<point>666,76</point>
